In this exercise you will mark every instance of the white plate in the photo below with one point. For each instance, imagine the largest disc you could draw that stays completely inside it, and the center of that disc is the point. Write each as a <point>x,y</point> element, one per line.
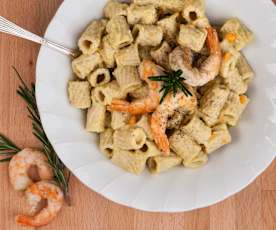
<point>228,170</point>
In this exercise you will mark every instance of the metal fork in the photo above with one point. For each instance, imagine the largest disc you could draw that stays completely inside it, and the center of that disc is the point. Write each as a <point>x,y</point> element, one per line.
<point>9,27</point>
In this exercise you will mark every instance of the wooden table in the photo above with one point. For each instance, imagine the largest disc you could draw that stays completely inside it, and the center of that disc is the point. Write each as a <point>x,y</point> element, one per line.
<point>254,208</point>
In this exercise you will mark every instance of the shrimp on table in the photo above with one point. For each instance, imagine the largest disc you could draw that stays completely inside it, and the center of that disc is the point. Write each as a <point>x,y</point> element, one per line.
<point>159,118</point>
<point>208,70</point>
<point>42,190</point>
<point>149,102</point>
<point>20,165</point>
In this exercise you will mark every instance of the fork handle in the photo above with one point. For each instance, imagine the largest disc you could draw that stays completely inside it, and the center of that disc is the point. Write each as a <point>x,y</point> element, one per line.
<point>9,27</point>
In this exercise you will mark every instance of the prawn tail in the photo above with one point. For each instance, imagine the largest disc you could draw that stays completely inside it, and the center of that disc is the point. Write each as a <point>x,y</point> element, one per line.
<point>213,41</point>
<point>119,105</point>
<point>24,220</point>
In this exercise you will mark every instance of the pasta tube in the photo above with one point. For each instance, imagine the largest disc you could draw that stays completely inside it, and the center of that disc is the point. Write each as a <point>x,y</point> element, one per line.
<point>85,64</point>
<point>130,161</point>
<point>147,35</point>
<point>95,121</point>
<point>193,10</point>
<point>229,62</point>
<point>119,34</point>
<point>79,94</point>
<point>127,78</point>
<point>192,37</point>
<point>129,138</point>
<point>114,8</point>
<point>212,103</point>
<point>90,40</point>
<point>220,137</point>
<point>149,149</point>
<point>99,77</point>
<point>197,161</point>
<point>161,55</point>
<point>128,56</point>
<point>107,53</point>
<point>118,119</point>
<point>184,146</point>
<point>160,164</point>
<point>104,94</point>
<point>197,129</point>
<point>233,108</point>
<point>169,26</point>
<point>106,143</point>
<point>141,14</point>
<point>245,69</point>
<point>236,34</point>
<point>165,5</point>
<point>143,123</point>
<point>235,82</point>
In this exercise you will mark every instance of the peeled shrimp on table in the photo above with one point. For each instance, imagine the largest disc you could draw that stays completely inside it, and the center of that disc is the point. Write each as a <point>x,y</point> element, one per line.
<point>159,118</point>
<point>151,101</point>
<point>208,70</point>
<point>22,162</point>
<point>37,192</point>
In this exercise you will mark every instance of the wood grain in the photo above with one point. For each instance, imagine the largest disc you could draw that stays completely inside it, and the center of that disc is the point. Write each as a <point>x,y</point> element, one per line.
<point>252,209</point>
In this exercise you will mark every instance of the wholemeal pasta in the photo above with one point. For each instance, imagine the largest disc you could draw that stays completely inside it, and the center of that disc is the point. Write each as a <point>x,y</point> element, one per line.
<point>141,14</point>
<point>114,8</point>
<point>220,137</point>
<point>106,143</point>
<point>79,94</point>
<point>147,35</point>
<point>160,164</point>
<point>129,138</point>
<point>234,107</point>
<point>85,64</point>
<point>128,56</point>
<point>105,93</point>
<point>127,78</point>
<point>119,34</point>
<point>161,84</point>
<point>99,77</point>
<point>95,120</point>
<point>90,40</point>
<point>192,37</point>
<point>119,119</point>
<point>107,53</point>
<point>193,10</point>
<point>236,34</point>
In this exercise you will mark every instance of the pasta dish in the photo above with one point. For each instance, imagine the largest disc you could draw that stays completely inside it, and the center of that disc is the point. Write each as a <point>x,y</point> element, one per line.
<point>160,84</point>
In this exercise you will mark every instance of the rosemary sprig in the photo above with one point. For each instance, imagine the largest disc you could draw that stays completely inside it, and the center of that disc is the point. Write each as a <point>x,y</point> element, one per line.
<point>7,149</point>
<point>173,81</point>
<point>61,175</point>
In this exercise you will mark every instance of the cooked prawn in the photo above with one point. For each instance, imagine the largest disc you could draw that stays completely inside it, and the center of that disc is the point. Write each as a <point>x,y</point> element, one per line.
<point>160,116</point>
<point>208,70</point>
<point>149,102</point>
<point>22,162</point>
<point>42,190</point>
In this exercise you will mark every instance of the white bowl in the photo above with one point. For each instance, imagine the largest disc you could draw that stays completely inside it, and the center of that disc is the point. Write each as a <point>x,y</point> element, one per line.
<point>227,172</point>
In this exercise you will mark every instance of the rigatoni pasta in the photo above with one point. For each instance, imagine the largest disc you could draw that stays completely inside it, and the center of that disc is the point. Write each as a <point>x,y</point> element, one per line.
<point>129,138</point>
<point>99,77</point>
<point>79,94</point>
<point>114,8</point>
<point>160,164</point>
<point>147,35</point>
<point>106,143</point>
<point>141,14</point>
<point>90,40</point>
<point>119,34</point>
<point>160,84</point>
<point>95,121</point>
<point>127,78</point>
<point>85,64</point>
<point>128,56</point>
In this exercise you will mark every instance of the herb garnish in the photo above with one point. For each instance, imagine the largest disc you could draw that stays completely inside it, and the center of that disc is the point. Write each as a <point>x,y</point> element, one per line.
<point>173,81</point>
<point>8,149</point>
